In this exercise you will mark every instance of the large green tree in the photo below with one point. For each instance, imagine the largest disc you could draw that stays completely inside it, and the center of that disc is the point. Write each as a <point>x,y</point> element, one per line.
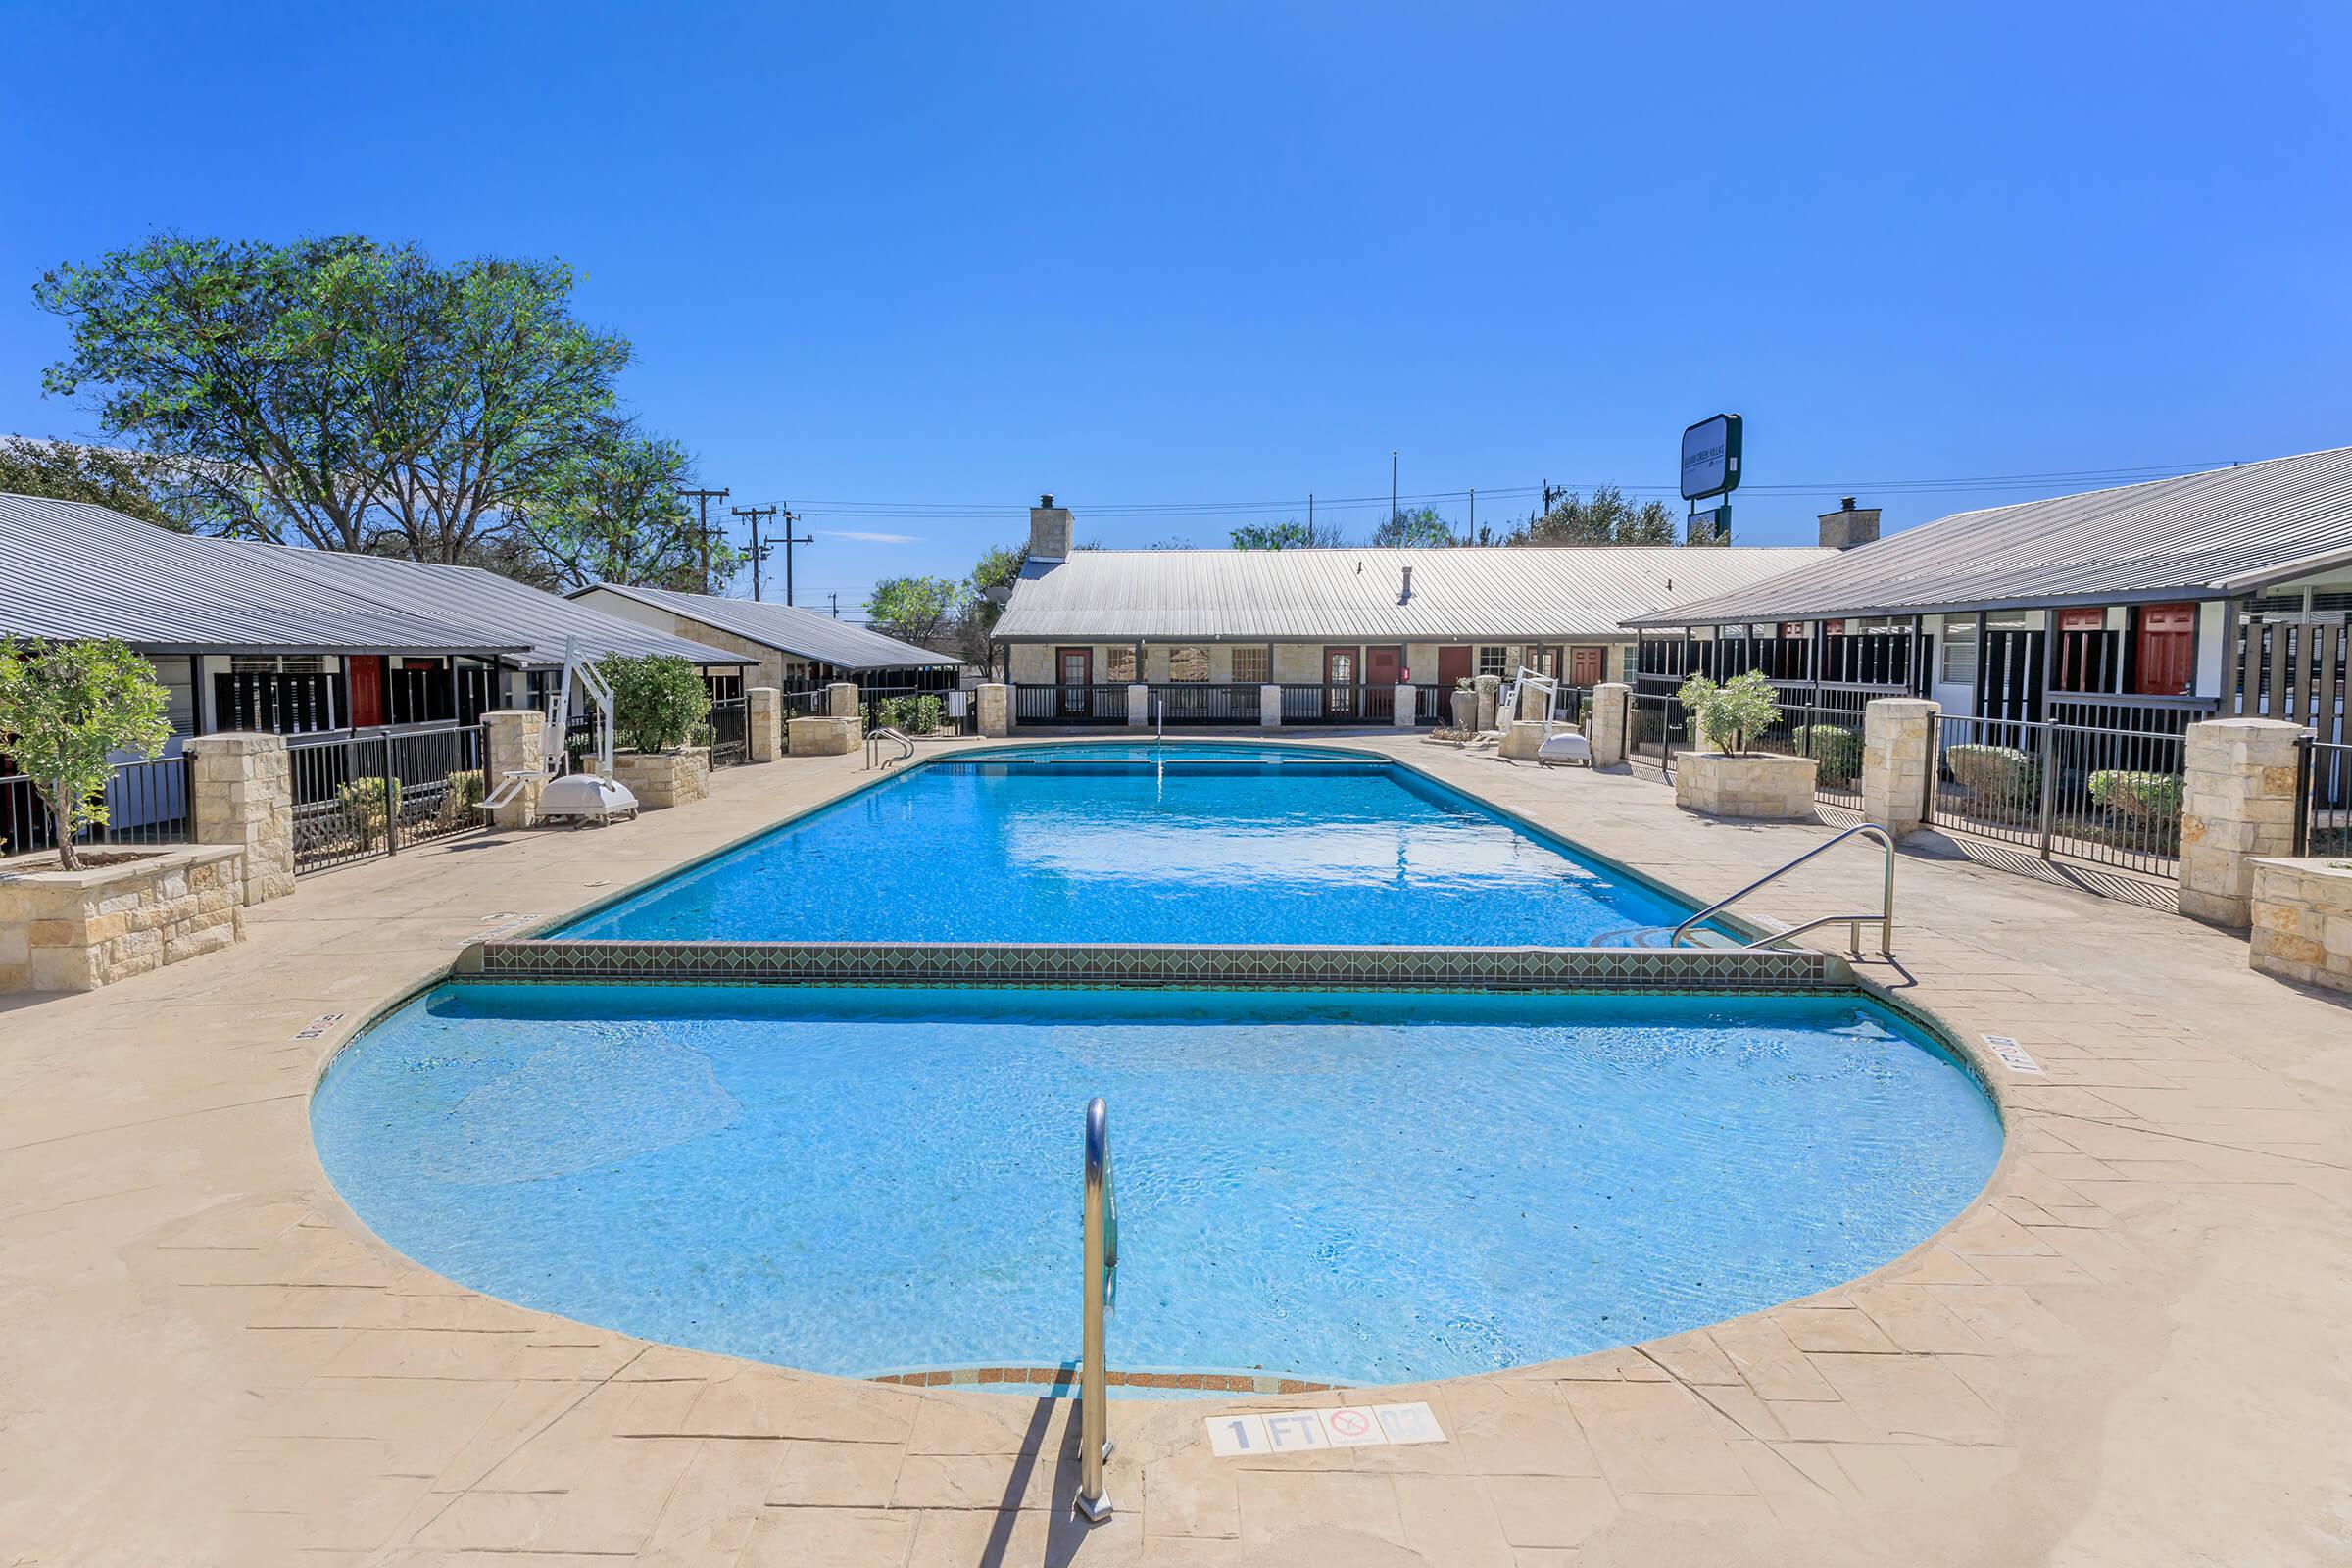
<point>917,610</point>
<point>1606,519</point>
<point>611,511</point>
<point>343,392</point>
<point>1290,535</point>
<point>1423,528</point>
<point>129,482</point>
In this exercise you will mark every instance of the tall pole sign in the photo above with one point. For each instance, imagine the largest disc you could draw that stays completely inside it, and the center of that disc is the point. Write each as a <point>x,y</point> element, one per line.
<point>1711,451</point>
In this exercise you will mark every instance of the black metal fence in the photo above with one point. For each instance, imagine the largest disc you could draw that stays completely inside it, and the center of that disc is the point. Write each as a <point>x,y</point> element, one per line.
<point>146,803</point>
<point>728,733</point>
<point>360,795</point>
<point>2104,795</point>
<point>920,710</point>
<point>2324,798</point>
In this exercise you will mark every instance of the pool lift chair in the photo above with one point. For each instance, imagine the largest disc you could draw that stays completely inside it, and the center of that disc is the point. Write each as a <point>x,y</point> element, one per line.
<point>582,798</point>
<point>1560,745</point>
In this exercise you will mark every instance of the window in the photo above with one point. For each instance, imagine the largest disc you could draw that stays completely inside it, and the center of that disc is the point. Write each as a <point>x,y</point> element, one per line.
<point>1960,648</point>
<point>1251,666</point>
<point>1118,666</point>
<point>1188,664</point>
<point>1494,659</point>
<point>177,673</point>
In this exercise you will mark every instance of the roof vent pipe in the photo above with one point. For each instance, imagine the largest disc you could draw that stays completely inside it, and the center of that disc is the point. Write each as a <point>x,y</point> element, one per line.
<point>1409,586</point>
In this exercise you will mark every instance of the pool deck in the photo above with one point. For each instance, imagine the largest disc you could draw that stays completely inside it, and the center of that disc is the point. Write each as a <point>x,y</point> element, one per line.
<point>2132,1349</point>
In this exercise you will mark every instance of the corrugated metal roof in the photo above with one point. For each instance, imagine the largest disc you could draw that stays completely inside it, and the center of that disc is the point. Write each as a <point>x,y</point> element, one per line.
<point>2197,535</point>
<point>787,628</point>
<point>517,613</point>
<point>71,569</point>
<point>1458,594</point>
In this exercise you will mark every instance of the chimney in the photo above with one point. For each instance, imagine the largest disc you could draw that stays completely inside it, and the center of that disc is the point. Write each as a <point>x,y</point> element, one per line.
<point>1409,586</point>
<point>1048,530</point>
<point>1849,525</point>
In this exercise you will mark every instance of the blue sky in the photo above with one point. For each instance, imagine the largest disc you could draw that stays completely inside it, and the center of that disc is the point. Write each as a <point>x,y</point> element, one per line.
<point>946,257</point>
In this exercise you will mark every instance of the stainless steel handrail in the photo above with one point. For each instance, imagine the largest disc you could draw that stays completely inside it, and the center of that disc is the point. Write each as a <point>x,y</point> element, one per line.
<point>873,741</point>
<point>1101,1291</point>
<point>1884,916</point>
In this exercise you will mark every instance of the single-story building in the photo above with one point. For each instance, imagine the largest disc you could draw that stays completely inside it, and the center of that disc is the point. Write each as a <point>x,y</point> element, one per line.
<point>265,637</point>
<point>2224,592</point>
<point>796,649</point>
<point>535,625</point>
<point>1340,629</point>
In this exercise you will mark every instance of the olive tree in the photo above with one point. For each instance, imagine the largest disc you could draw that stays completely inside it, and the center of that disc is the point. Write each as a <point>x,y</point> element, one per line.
<point>65,709</point>
<point>1730,714</point>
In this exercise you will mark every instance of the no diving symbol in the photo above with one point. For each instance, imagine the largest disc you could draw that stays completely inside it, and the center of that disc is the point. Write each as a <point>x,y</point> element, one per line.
<point>1347,1423</point>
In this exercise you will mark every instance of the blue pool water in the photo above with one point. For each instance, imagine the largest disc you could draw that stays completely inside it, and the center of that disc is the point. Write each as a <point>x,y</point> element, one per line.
<point>1090,847</point>
<point>1345,1186</point>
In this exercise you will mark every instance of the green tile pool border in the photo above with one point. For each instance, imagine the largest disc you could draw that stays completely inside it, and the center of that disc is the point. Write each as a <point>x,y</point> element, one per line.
<point>577,961</point>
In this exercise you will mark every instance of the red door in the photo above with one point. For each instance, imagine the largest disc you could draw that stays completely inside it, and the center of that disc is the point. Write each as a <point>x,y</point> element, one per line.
<point>1583,667</point>
<point>2167,665</point>
<point>1383,667</point>
<point>1454,664</point>
<point>1076,666</point>
<point>366,690</point>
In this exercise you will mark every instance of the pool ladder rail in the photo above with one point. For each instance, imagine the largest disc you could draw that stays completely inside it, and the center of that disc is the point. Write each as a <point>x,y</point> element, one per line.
<point>1101,1291</point>
<point>873,744</point>
<point>1884,917</point>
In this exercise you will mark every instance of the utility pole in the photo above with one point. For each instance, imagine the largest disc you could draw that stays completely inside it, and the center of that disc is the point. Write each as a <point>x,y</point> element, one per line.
<point>1473,539</point>
<point>758,552</point>
<point>790,517</point>
<point>1310,522</point>
<point>703,498</point>
<point>1392,484</point>
<point>836,598</point>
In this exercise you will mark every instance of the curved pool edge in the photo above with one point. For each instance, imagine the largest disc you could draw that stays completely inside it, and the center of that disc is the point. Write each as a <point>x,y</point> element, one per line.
<point>1970,1055</point>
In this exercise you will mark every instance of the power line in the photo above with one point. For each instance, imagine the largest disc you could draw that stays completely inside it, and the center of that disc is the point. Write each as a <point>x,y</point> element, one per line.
<point>1545,493</point>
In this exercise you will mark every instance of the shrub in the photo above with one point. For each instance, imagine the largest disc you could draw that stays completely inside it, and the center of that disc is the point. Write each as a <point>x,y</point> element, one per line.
<point>914,714</point>
<point>2000,776</point>
<point>65,709</point>
<point>2141,797</point>
<point>363,804</point>
<point>461,794</point>
<point>658,700</point>
<point>1838,751</point>
<point>1732,714</point>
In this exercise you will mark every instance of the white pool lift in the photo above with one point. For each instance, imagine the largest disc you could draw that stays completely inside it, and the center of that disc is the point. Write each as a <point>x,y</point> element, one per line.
<point>1560,745</point>
<point>584,797</point>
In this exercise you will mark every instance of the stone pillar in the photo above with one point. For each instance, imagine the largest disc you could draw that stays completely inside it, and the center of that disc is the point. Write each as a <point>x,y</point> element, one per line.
<point>2239,803</point>
<point>1899,748</point>
<point>993,708</point>
<point>1534,702</point>
<point>763,714</point>
<point>1490,693</point>
<point>1405,695</point>
<point>1269,707</point>
<point>241,792</point>
<point>1139,708</point>
<point>840,700</point>
<point>515,742</point>
<point>1612,722</point>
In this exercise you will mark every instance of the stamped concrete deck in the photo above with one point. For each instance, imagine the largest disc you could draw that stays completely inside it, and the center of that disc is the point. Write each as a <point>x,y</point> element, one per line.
<point>2131,1350</point>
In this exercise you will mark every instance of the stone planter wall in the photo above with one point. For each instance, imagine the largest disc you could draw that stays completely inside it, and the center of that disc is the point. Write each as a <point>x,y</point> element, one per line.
<point>662,779</point>
<point>80,930</point>
<point>2303,920</point>
<point>1757,785</point>
<point>827,737</point>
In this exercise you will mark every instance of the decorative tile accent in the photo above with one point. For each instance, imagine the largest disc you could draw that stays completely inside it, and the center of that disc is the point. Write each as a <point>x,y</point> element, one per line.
<point>572,961</point>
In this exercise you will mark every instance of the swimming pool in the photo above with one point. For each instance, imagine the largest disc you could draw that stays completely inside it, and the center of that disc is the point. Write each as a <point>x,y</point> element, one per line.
<point>1353,1188</point>
<point>1131,843</point>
